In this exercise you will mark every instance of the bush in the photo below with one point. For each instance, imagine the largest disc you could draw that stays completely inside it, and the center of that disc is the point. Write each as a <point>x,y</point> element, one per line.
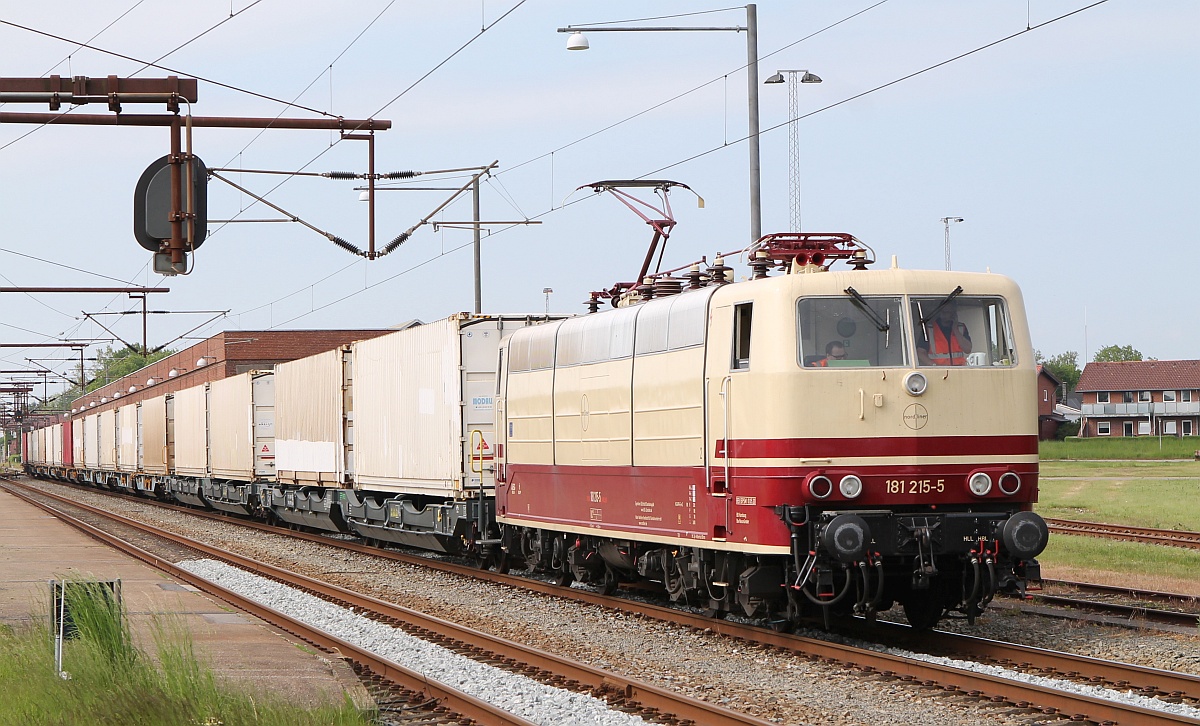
<point>1068,428</point>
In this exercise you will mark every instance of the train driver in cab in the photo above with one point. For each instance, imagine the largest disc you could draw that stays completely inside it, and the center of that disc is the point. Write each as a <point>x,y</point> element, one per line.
<point>946,341</point>
<point>834,350</point>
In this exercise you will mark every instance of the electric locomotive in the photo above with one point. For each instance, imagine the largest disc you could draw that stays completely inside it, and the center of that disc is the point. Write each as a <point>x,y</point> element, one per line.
<point>820,441</point>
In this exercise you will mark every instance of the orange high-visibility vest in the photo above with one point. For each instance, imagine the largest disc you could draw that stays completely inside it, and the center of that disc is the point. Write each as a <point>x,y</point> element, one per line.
<point>945,352</point>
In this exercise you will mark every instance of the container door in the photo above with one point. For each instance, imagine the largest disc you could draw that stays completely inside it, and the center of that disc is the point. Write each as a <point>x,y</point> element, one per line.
<point>170,457</point>
<point>263,394</point>
<point>207,431</point>
<point>348,415</point>
<point>116,459</point>
<point>141,451</point>
<point>478,359</point>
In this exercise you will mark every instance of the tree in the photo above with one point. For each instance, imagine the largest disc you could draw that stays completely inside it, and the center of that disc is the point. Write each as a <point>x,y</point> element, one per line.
<point>1112,353</point>
<point>114,364</point>
<point>1063,366</point>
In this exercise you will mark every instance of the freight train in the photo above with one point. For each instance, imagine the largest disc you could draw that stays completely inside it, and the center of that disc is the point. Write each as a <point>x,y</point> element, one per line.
<point>808,441</point>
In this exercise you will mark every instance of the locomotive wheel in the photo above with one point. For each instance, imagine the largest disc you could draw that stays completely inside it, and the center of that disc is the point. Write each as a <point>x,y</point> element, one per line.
<point>923,612</point>
<point>609,584</point>
<point>673,579</point>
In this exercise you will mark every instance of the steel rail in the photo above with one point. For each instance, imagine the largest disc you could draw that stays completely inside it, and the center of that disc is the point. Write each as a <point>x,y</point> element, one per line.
<point>1171,537</point>
<point>461,703</point>
<point>1131,612</point>
<point>1097,671</point>
<point>650,698</point>
<point>1148,680</point>
<point>1125,591</point>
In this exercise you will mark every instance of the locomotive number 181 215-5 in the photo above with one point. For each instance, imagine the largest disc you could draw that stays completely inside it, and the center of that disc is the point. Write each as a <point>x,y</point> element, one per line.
<point>915,486</point>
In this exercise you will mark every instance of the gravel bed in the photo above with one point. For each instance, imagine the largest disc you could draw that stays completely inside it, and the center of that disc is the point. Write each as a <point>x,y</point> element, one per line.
<point>764,682</point>
<point>514,693</point>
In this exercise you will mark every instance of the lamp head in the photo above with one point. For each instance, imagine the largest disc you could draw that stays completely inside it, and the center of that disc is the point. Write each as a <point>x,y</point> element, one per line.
<point>578,41</point>
<point>810,78</point>
<point>777,78</point>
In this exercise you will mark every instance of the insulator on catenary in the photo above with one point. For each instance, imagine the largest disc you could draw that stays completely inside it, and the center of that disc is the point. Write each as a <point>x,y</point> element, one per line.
<point>400,239</point>
<point>400,175</point>
<point>345,245</point>
<point>340,175</point>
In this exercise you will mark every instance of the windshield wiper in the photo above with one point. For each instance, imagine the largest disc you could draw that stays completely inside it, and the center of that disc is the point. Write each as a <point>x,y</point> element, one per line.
<point>933,313</point>
<point>866,308</point>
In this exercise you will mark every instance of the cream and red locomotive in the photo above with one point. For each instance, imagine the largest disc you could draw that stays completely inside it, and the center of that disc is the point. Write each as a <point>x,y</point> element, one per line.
<point>824,440</point>
<point>820,440</point>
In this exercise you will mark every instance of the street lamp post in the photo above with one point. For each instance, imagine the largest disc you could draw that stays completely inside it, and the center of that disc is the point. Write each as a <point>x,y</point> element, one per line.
<point>547,292</point>
<point>794,79</point>
<point>578,41</point>
<point>946,221</point>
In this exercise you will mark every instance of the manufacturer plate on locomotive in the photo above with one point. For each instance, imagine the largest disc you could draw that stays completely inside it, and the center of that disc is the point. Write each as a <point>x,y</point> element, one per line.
<point>745,501</point>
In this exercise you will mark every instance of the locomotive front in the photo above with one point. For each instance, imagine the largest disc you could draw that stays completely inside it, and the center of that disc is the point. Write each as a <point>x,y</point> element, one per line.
<point>895,428</point>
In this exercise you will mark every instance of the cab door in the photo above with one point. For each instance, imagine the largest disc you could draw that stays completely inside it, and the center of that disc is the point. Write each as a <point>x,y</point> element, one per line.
<point>726,384</point>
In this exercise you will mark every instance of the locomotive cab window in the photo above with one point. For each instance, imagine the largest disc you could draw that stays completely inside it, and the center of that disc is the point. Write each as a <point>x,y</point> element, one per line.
<point>957,330</point>
<point>851,332</point>
<point>742,315</point>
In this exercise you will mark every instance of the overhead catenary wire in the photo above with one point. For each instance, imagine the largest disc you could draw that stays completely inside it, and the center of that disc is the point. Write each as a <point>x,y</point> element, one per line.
<point>880,87</point>
<point>429,73</point>
<point>690,91</point>
<point>683,161</point>
<point>150,64</point>
<point>411,86</point>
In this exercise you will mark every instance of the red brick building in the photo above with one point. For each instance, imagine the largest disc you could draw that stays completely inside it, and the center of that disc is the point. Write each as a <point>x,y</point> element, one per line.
<point>1047,397</point>
<point>1141,398</point>
<point>225,354</point>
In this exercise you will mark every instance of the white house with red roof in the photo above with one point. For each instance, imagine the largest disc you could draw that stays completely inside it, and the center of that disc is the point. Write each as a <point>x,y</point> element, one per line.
<point>1140,398</point>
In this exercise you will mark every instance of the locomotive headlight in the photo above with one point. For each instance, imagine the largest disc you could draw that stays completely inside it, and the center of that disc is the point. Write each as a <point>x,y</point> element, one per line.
<point>980,484</point>
<point>850,486</point>
<point>915,383</point>
<point>1009,483</point>
<point>820,486</point>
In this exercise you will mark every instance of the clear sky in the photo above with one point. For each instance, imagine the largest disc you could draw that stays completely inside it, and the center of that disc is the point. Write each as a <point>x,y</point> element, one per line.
<point>1071,150</point>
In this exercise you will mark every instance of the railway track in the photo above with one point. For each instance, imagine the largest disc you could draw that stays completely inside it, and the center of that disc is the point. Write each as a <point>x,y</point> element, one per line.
<point>622,693</point>
<point>1171,537</point>
<point>1127,604</point>
<point>1146,681</point>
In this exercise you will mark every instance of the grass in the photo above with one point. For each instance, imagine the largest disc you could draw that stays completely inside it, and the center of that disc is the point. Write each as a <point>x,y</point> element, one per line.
<point>1160,494</point>
<point>1158,503</point>
<point>113,682</point>
<point>1125,558</point>
<point>1137,447</point>
<point>1128,469</point>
